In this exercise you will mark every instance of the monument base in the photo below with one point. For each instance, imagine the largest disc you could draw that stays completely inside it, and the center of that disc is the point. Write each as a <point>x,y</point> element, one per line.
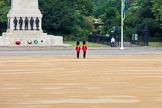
<point>23,15</point>
<point>29,38</point>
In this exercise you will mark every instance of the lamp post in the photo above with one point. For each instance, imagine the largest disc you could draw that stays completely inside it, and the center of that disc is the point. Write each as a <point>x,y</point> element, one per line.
<point>146,35</point>
<point>122,26</point>
<point>114,30</point>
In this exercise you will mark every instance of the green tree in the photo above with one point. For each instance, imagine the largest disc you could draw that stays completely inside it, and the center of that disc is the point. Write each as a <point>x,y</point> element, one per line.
<point>4,8</point>
<point>66,17</point>
<point>139,15</point>
<point>157,10</point>
<point>85,7</point>
<point>111,18</point>
<point>100,6</point>
<point>58,16</point>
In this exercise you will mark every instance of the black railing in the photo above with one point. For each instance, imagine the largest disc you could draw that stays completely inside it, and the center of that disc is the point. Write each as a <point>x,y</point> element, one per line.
<point>140,42</point>
<point>98,39</point>
<point>150,42</point>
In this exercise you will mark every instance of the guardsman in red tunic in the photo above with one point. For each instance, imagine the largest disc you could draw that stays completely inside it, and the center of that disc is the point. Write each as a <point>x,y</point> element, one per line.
<point>77,49</point>
<point>84,48</point>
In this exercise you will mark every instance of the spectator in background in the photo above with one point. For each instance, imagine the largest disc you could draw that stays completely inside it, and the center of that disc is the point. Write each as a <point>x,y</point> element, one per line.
<point>112,42</point>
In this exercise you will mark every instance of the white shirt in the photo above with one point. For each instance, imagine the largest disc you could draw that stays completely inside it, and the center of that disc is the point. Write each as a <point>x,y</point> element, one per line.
<point>112,39</point>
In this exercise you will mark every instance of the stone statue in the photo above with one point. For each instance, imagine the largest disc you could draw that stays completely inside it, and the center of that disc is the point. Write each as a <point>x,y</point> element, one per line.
<point>26,23</point>
<point>15,23</point>
<point>37,23</point>
<point>31,23</point>
<point>20,23</point>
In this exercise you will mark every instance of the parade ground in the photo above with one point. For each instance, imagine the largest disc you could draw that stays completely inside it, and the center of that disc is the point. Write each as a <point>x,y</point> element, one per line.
<point>107,78</point>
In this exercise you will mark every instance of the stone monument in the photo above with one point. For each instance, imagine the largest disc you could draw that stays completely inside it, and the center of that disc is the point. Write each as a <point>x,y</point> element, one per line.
<point>25,26</point>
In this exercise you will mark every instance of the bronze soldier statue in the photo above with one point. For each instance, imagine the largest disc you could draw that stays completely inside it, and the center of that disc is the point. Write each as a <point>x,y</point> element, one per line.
<point>20,23</point>
<point>26,23</point>
<point>31,23</point>
<point>37,23</point>
<point>15,23</point>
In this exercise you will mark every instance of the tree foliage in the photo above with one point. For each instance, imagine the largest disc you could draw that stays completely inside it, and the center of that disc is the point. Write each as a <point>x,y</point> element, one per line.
<point>4,7</point>
<point>140,13</point>
<point>157,10</point>
<point>66,17</point>
<point>74,17</point>
<point>57,16</point>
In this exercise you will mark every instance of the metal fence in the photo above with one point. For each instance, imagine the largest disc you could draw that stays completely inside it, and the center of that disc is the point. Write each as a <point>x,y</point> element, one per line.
<point>157,42</point>
<point>141,41</point>
<point>103,40</point>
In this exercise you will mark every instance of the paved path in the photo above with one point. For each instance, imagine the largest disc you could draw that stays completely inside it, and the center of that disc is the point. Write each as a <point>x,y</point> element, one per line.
<point>27,51</point>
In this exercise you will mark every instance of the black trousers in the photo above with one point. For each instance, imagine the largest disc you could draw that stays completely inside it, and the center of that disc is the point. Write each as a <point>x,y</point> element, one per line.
<point>84,54</point>
<point>78,54</point>
<point>26,27</point>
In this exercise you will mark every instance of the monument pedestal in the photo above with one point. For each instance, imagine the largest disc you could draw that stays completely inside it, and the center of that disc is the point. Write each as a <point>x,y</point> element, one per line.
<point>30,38</point>
<point>25,26</point>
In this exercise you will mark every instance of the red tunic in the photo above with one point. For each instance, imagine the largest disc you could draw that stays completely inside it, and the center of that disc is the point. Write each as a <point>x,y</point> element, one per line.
<point>84,48</point>
<point>77,48</point>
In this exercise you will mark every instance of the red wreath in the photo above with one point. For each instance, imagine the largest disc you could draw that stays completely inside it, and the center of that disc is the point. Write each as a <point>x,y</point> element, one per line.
<point>17,42</point>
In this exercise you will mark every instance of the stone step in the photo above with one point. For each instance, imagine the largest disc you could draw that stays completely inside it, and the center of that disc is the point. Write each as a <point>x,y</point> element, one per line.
<point>24,34</point>
<point>27,32</point>
<point>6,34</point>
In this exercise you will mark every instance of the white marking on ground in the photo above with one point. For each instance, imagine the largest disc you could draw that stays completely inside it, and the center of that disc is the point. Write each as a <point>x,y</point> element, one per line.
<point>122,72</point>
<point>71,84</point>
<point>78,101</point>
<point>119,96</point>
<point>29,61</point>
<point>159,100</point>
<point>92,88</point>
<point>88,101</point>
<point>10,88</point>
<point>37,106</point>
<point>28,72</point>
<point>54,88</point>
<point>143,76</point>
